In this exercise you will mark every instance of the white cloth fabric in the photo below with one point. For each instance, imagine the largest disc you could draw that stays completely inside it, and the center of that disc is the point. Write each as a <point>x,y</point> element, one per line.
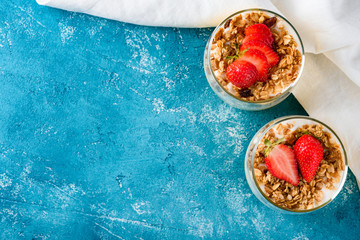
<point>328,90</point>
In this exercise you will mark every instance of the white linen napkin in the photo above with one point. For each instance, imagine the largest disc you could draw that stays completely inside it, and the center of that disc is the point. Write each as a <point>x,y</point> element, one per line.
<point>328,90</point>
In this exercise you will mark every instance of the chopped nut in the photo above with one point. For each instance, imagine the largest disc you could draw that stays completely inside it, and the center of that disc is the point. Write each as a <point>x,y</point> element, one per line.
<point>319,186</point>
<point>270,22</point>
<point>274,187</point>
<point>245,92</point>
<point>227,23</point>
<point>268,190</point>
<point>287,39</point>
<point>331,169</point>
<point>218,35</point>
<point>257,172</point>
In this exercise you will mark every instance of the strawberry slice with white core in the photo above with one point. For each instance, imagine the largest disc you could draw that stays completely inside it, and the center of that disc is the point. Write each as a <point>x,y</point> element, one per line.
<point>271,56</point>
<point>258,28</point>
<point>258,59</point>
<point>266,39</point>
<point>281,163</point>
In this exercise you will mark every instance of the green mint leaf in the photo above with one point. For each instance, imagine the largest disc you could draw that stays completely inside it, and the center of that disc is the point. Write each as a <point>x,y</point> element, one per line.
<point>279,141</point>
<point>231,57</point>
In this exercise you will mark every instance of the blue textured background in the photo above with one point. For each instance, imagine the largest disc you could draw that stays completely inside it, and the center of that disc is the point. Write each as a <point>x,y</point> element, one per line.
<point>110,131</point>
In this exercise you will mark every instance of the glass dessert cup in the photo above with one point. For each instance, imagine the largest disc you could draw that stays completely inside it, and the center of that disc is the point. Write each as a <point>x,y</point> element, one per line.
<point>228,96</point>
<point>258,189</point>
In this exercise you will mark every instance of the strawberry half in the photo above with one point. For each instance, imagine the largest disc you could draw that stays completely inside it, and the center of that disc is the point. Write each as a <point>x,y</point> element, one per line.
<point>258,29</point>
<point>241,73</point>
<point>258,59</point>
<point>281,163</point>
<point>266,39</point>
<point>309,153</point>
<point>271,56</point>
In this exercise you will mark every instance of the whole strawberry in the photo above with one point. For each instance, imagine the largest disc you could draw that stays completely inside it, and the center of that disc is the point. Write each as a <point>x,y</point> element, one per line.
<point>309,153</point>
<point>242,73</point>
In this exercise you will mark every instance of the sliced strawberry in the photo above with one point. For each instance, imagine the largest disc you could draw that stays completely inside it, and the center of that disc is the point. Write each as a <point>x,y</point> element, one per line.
<point>242,74</point>
<point>259,59</point>
<point>266,39</point>
<point>309,153</point>
<point>271,56</point>
<point>282,164</point>
<point>258,29</point>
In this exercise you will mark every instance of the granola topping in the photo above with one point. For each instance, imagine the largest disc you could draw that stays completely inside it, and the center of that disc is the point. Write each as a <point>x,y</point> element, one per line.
<point>281,76</point>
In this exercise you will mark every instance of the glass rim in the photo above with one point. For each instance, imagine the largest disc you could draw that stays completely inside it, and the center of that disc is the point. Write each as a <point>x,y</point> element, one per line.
<point>282,119</point>
<point>277,15</point>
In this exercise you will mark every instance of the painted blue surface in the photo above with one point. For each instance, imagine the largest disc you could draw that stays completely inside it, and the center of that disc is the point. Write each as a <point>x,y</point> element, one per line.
<point>110,131</point>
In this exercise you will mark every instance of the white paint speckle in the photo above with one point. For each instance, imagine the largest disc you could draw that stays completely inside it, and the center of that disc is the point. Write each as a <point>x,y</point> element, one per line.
<point>130,194</point>
<point>41,236</point>
<point>202,227</point>
<point>236,200</point>
<point>66,32</point>
<point>167,187</point>
<point>238,137</point>
<point>96,29</point>
<point>147,61</point>
<point>187,144</point>
<point>27,169</point>
<point>141,207</point>
<point>300,236</point>
<point>169,83</point>
<point>223,114</point>
<point>158,105</point>
<point>155,36</point>
<point>109,231</point>
<point>349,190</point>
<point>5,34</point>
<point>5,181</point>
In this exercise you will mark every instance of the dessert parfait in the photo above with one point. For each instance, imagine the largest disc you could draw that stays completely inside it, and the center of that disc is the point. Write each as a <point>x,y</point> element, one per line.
<point>254,57</point>
<point>298,164</point>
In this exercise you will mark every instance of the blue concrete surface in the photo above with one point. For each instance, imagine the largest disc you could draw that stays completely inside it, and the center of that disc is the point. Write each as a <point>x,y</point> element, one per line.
<point>110,131</point>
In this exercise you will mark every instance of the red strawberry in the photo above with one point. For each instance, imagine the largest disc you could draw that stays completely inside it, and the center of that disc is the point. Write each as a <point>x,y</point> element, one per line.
<point>266,39</point>
<point>242,73</point>
<point>281,163</point>
<point>309,153</point>
<point>259,59</point>
<point>258,29</point>
<point>271,56</point>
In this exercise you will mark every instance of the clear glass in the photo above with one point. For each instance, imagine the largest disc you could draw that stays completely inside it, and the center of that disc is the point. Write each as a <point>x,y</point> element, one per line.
<point>230,98</point>
<point>250,157</point>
